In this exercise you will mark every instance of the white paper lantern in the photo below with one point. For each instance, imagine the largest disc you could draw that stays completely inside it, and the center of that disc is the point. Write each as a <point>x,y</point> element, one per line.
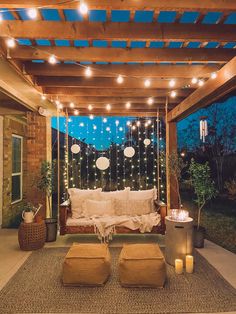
<point>75,148</point>
<point>129,152</point>
<point>147,142</point>
<point>102,163</point>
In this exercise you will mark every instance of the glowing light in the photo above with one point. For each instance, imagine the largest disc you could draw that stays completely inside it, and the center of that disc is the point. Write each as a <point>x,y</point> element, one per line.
<point>133,127</point>
<point>108,129</point>
<point>149,122</point>
<point>52,59</point>
<point>90,107</point>
<point>1,18</point>
<point>213,75</point>
<point>32,13</point>
<point>173,94</point>
<point>117,122</point>
<point>81,124</point>
<point>147,83</point>
<point>60,106</point>
<point>172,83</point>
<point>194,80</point>
<point>138,123</point>
<point>91,116</point>
<point>200,83</point>
<point>120,129</point>
<point>150,101</point>
<point>108,107</point>
<point>120,79</point>
<point>128,105</point>
<point>128,123</point>
<point>10,43</point>
<point>43,97</point>
<point>104,120</point>
<point>76,112</point>
<point>95,127</point>
<point>57,102</point>
<point>72,105</point>
<point>146,124</point>
<point>88,72</point>
<point>83,8</point>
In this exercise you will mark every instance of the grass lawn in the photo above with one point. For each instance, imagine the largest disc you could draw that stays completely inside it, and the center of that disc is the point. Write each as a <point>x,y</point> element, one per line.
<point>219,219</point>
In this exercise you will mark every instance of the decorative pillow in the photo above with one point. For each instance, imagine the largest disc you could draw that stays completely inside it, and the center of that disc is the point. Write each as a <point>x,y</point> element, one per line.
<point>98,208</point>
<point>116,195</point>
<point>140,207</point>
<point>78,197</point>
<point>121,207</point>
<point>144,194</point>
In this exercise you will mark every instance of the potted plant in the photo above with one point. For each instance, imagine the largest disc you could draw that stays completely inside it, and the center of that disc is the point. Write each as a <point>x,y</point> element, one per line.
<point>45,184</point>
<point>204,189</point>
<point>29,212</point>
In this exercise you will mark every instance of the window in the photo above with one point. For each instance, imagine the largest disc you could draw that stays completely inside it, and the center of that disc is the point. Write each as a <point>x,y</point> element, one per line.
<point>17,146</point>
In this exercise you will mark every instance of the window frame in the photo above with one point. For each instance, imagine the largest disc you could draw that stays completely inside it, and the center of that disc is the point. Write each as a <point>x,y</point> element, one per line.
<point>21,168</point>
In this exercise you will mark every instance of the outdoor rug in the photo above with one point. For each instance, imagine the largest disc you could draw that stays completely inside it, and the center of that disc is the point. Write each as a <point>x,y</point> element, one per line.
<point>37,288</point>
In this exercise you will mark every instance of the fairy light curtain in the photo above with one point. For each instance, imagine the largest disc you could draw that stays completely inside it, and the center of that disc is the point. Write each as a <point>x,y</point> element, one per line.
<point>85,139</point>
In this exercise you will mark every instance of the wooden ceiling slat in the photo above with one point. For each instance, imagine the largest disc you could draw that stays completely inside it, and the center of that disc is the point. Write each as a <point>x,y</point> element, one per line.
<point>161,5</point>
<point>167,32</point>
<point>126,55</point>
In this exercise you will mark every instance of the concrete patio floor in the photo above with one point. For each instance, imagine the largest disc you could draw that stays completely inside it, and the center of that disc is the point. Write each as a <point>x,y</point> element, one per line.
<point>11,257</point>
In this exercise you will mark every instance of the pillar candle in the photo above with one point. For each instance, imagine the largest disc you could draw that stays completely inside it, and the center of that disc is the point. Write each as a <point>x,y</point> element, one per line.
<point>189,264</point>
<point>178,266</point>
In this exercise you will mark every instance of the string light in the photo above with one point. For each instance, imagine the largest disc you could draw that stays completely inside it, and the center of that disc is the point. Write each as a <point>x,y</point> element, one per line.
<point>120,129</point>
<point>108,107</point>
<point>72,105</point>
<point>83,8</point>
<point>91,116</point>
<point>104,120</point>
<point>60,106</point>
<point>10,43</point>
<point>128,123</point>
<point>32,13</point>
<point>173,94</point>
<point>172,83</point>
<point>213,75</point>
<point>1,18</point>
<point>76,112</point>
<point>147,83</point>
<point>200,83</point>
<point>194,80</point>
<point>52,59</point>
<point>43,97</point>
<point>150,101</point>
<point>90,107</point>
<point>117,122</point>
<point>120,79</point>
<point>128,105</point>
<point>88,72</point>
<point>133,127</point>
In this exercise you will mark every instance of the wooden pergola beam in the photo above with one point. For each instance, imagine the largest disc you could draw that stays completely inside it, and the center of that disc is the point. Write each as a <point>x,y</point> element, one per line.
<point>166,32</point>
<point>101,82</point>
<point>226,6</point>
<point>211,91</point>
<point>214,55</point>
<point>111,70</point>
<point>119,106</point>
<point>112,92</point>
<point>134,113</point>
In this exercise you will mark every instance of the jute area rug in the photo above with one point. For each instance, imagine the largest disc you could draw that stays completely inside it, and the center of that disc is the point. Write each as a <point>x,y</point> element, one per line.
<point>37,288</point>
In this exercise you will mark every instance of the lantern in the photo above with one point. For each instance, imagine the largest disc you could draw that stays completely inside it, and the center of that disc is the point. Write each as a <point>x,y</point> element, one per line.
<point>75,148</point>
<point>129,152</point>
<point>102,163</point>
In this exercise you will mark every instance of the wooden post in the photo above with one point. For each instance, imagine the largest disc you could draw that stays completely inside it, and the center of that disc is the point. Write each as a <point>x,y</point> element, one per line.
<point>171,146</point>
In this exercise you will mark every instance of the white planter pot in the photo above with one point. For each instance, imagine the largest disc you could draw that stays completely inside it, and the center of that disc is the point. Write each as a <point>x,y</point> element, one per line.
<point>28,217</point>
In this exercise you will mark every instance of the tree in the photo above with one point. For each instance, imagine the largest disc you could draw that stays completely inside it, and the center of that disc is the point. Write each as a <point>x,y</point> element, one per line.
<point>203,185</point>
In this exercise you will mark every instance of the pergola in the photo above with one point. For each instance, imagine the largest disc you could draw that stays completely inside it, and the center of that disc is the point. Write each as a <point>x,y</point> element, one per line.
<point>184,47</point>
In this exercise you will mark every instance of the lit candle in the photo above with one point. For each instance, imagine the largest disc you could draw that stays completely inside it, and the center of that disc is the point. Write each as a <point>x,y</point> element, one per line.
<point>179,266</point>
<point>189,264</point>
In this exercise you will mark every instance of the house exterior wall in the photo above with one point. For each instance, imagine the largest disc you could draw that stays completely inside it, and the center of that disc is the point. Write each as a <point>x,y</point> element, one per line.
<point>33,129</point>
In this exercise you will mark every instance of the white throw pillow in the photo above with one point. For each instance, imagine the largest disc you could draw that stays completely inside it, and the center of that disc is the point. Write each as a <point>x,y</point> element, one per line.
<point>140,207</point>
<point>78,197</point>
<point>121,207</point>
<point>116,195</point>
<point>98,208</point>
<point>144,194</point>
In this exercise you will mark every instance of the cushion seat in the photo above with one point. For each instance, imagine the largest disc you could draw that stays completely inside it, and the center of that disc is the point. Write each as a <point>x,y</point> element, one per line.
<point>86,264</point>
<point>142,265</point>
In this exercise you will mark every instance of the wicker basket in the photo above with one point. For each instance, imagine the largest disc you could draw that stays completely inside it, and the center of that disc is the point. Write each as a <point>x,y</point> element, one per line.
<point>32,236</point>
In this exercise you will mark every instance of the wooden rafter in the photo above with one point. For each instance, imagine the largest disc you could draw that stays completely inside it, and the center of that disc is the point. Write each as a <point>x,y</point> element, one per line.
<point>161,5</point>
<point>117,31</point>
<point>208,93</point>
<point>92,54</point>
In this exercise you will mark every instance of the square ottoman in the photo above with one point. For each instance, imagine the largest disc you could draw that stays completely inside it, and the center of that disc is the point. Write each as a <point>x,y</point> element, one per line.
<point>86,264</point>
<point>142,265</point>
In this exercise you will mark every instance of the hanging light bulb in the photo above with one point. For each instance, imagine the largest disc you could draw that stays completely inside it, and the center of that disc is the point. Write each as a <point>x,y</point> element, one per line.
<point>95,127</point>
<point>57,102</point>
<point>90,107</point>
<point>120,79</point>
<point>43,97</point>
<point>120,129</point>
<point>10,43</point>
<point>147,83</point>
<point>173,94</point>
<point>133,127</point>
<point>172,83</point>
<point>104,120</point>
<point>146,124</point>
<point>117,122</point>
<point>81,124</point>
<point>150,101</point>
<point>200,83</point>
<point>128,123</point>
<point>213,75</point>
<point>88,72</point>
<point>194,80</point>
<point>108,129</point>
<point>138,123</point>
<point>72,105</point>
<point>76,112</point>
<point>108,107</point>
<point>83,8</point>
<point>60,106</point>
<point>127,105</point>
<point>149,122</point>
<point>91,116</point>
<point>52,59</point>
<point>32,13</point>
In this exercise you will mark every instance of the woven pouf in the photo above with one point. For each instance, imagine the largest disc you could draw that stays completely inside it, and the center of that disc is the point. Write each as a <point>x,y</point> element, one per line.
<point>142,265</point>
<point>32,236</point>
<point>86,264</point>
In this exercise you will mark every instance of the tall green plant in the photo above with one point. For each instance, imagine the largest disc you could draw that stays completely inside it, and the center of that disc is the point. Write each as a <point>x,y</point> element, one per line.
<point>45,183</point>
<point>203,185</point>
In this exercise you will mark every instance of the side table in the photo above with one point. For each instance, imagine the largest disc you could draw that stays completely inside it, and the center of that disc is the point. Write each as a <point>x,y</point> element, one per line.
<point>178,239</point>
<point>32,236</point>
